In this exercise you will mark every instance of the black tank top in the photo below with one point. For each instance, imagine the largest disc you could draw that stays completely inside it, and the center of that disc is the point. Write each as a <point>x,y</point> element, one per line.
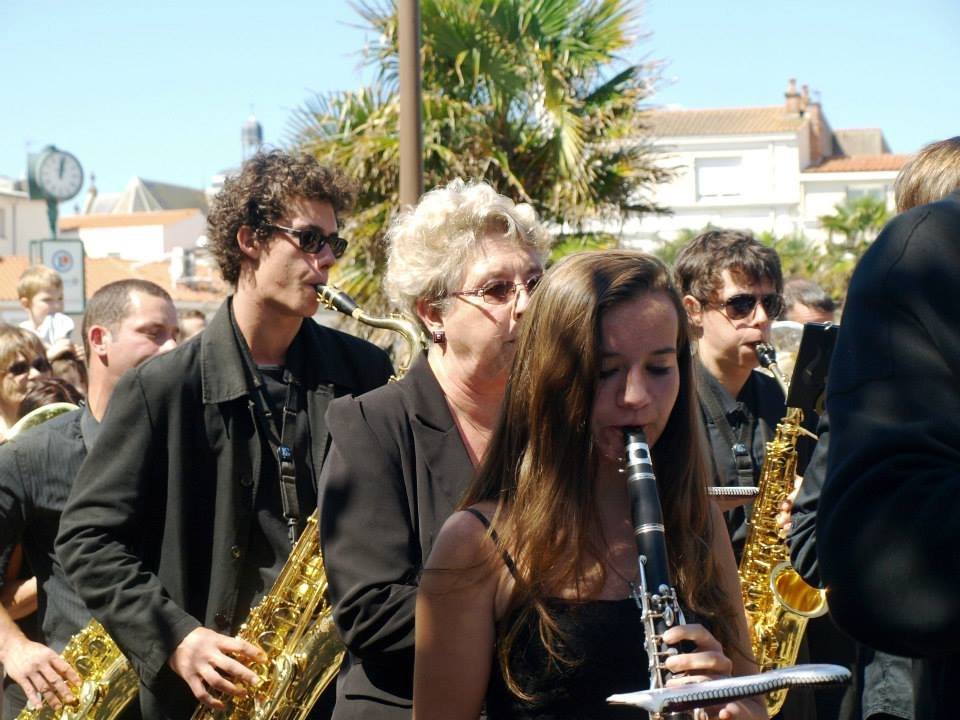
<point>604,641</point>
<point>604,638</point>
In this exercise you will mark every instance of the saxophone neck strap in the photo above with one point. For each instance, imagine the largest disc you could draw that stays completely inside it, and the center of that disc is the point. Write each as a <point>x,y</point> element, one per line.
<point>711,403</point>
<point>281,445</point>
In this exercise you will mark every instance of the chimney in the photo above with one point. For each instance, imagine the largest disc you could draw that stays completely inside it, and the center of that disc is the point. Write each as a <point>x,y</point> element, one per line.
<point>792,104</point>
<point>804,98</point>
<point>819,140</point>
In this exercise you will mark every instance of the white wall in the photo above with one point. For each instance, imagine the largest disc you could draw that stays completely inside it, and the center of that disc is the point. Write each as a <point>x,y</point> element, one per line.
<point>135,242</point>
<point>184,233</point>
<point>23,220</point>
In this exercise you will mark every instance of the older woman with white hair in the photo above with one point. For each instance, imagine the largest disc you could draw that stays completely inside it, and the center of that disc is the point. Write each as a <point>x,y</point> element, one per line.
<point>463,262</point>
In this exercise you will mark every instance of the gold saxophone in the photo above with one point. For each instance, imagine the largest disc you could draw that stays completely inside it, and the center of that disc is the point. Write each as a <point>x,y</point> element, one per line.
<point>293,623</point>
<point>108,683</point>
<point>777,600</point>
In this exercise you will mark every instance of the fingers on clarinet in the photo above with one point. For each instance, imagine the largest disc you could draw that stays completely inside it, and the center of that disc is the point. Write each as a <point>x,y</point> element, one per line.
<point>709,663</point>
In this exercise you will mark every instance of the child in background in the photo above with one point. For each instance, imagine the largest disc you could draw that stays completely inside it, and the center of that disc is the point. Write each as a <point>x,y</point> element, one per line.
<point>40,290</point>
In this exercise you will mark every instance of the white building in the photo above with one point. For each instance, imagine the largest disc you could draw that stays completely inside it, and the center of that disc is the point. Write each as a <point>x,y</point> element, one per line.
<point>21,219</point>
<point>768,169</point>
<point>148,221</point>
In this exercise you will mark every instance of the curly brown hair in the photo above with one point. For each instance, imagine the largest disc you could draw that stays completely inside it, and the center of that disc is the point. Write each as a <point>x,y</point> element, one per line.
<point>259,196</point>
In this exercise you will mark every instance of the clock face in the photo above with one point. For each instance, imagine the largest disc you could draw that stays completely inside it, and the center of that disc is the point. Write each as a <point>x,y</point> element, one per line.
<point>59,175</point>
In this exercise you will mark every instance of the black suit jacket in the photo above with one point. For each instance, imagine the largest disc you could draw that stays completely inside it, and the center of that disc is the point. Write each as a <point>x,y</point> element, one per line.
<point>396,472</point>
<point>155,533</point>
<point>887,525</point>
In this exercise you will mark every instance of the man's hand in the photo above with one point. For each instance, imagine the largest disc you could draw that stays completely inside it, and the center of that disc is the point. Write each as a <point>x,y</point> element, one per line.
<point>41,673</point>
<point>210,662</point>
<point>785,514</point>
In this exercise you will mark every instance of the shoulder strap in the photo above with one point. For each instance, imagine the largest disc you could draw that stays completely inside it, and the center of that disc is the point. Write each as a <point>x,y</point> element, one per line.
<point>712,408</point>
<point>507,560</point>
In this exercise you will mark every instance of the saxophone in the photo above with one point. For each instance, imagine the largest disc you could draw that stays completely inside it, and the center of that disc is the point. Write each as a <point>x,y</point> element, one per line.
<point>777,600</point>
<point>108,682</point>
<point>293,623</point>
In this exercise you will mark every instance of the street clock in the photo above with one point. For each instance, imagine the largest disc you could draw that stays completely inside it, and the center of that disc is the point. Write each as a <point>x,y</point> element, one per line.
<point>59,174</point>
<point>55,176</point>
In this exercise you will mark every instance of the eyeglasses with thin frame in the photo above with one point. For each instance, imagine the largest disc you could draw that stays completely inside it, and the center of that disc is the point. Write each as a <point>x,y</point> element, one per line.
<point>500,292</point>
<point>312,240</point>
<point>22,367</point>
<point>743,305</point>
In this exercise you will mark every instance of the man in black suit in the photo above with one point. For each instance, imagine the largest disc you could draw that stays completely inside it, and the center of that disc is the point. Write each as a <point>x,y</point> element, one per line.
<point>185,511</point>
<point>887,533</point>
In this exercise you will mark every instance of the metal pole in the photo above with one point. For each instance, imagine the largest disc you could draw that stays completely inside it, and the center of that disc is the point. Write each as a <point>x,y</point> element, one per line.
<point>411,124</point>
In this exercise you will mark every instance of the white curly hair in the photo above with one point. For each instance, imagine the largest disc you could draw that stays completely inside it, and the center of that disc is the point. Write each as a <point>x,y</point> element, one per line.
<point>431,245</point>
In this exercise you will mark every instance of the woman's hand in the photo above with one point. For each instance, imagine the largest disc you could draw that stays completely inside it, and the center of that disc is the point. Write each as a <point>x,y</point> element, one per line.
<point>707,662</point>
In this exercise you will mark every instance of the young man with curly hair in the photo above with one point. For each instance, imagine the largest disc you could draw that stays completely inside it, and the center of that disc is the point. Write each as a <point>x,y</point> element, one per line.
<point>206,470</point>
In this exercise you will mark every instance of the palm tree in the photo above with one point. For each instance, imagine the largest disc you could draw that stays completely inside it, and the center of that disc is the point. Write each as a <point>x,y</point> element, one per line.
<point>529,95</point>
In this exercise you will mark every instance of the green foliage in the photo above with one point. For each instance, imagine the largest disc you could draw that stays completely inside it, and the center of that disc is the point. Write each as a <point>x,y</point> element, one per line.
<point>567,244</point>
<point>529,95</point>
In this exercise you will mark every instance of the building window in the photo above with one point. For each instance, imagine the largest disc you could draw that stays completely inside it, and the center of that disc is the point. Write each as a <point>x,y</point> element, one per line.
<point>719,177</point>
<point>877,193</point>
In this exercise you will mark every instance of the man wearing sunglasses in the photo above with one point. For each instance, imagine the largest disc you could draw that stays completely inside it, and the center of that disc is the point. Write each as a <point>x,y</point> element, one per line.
<point>732,289</point>
<point>205,474</point>
<point>731,286</point>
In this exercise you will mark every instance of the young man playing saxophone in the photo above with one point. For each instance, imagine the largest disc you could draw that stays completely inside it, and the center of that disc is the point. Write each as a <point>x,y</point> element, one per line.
<point>178,523</point>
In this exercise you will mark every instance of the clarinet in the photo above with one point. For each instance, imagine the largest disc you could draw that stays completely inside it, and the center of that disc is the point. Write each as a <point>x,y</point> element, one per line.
<point>656,597</point>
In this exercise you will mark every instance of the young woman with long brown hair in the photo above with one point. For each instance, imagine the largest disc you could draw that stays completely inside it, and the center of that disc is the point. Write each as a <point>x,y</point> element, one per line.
<point>533,616</point>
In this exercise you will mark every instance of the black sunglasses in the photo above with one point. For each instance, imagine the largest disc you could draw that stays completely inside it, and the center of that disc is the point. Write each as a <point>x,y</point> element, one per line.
<point>312,239</point>
<point>742,305</point>
<point>500,292</point>
<point>22,367</point>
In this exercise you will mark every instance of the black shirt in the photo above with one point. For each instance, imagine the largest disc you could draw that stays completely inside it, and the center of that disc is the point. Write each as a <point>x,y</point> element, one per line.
<point>751,421</point>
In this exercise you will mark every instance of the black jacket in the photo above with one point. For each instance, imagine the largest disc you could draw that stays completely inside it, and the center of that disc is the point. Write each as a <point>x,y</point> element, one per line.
<point>155,532</point>
<point>887,529</point>
<point>396,471</point>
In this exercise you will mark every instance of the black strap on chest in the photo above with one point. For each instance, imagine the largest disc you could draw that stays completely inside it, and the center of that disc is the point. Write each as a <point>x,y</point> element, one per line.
<point>282,445</point>
<point>712,406</point>
<point>507,560</point>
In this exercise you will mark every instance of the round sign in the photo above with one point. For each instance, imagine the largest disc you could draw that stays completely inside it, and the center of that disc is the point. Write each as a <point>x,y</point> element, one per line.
<point>62,261</point>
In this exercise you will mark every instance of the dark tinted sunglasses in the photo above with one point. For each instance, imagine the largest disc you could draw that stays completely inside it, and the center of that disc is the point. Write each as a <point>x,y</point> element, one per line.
<point>22,367</point>
<point>312,240</point>
<point>742,305</point>
<point>500,292</point>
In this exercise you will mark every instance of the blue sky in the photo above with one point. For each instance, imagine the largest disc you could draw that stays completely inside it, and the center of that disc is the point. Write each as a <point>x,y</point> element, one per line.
<point>162,92</point>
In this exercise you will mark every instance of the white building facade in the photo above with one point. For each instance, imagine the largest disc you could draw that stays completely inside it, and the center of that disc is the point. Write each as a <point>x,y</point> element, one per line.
<point>770,169</point>
<point>21,219</point>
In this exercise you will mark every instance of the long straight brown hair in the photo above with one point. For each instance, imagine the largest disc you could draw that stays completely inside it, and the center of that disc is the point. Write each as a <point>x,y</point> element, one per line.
<point>541,463</point>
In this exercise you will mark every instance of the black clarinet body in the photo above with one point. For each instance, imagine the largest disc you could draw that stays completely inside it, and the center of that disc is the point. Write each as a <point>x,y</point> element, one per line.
<point>656,596</point>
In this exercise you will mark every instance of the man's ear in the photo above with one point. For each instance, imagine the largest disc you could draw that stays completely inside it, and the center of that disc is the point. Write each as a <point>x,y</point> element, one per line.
<point>25,304</point>
<point>247,242</point>
<point>694,311</point>
<point>98,337</point>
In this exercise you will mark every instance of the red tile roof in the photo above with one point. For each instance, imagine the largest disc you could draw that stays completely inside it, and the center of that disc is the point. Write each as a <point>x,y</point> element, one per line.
<point>860,163</point>
<point>100,271</point>
<point>722,121</point>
